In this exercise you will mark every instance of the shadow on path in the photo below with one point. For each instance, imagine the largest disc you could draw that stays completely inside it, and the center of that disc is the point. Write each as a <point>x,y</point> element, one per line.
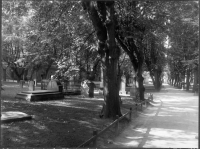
<point>173,123</point>
<point>142,143</point>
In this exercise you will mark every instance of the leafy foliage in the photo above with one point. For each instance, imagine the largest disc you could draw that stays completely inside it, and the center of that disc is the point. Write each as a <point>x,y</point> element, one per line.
<point>14,30</point>
<point>183,53</point>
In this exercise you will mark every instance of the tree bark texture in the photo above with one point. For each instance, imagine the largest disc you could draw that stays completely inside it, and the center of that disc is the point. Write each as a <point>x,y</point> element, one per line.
<point>137,58</point>
<point>188,80</point>
<point>1,55</point>
<point>195,79</point>
<point>140,83</point>
<point>4,74</point>
<point>102,17</point>
<point>155,74</point>
<point>175,81</point>
<point>19,72</point>
<point>158,81</point>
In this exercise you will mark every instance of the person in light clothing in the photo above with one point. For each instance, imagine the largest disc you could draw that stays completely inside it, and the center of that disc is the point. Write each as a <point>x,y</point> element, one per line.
<point>84,88</point>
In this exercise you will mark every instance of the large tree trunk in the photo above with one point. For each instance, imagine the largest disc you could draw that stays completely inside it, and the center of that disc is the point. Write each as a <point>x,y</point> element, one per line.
<point>195,79</point>
<point>171,81</point>
<point>136,62</point>
<point>178,81</point>
<point>112,57</point>
<point>4,74</point>
<point>47,69</point>
<point>175,80</point>
<point>19,72</point>
<point>183,79</point>
<point>188,80</point>
<point>152,78</point>
<point>140,80</point>
<point>176,84</point>
<point>25,75</point>
<point>119,75</point>
<point>31,74</point>
<point>103,22</point>
<point>157,80</point>
<point>0,57</point>
<point>111,90</point>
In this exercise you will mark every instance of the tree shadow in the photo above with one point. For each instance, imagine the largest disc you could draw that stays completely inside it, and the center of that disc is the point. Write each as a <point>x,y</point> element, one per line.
<point>175,124</point>
<point>60,123</point>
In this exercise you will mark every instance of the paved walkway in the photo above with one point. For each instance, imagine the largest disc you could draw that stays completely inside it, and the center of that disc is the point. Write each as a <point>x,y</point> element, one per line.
<point>171,123</point>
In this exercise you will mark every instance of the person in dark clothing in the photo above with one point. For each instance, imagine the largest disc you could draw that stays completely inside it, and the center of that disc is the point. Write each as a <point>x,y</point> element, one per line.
<point>91,86</point>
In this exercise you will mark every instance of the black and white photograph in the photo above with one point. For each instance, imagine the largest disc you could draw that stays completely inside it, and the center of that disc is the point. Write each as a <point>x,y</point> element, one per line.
<point>99,74</point>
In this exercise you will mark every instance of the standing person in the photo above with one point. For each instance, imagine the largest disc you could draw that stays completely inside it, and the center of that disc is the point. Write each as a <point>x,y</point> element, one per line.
<point>41,77</point>
<point>91,86</point>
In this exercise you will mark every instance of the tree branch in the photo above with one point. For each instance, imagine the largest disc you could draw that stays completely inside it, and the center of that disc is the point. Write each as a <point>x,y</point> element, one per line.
<point>130,53</point>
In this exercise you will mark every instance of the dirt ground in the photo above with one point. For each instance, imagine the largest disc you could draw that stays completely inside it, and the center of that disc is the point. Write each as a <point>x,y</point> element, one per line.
<point>170,122</point>
<point>57,123</point>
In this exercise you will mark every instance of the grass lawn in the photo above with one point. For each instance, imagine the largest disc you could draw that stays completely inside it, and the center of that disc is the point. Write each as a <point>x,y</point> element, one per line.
<point>57,123</point>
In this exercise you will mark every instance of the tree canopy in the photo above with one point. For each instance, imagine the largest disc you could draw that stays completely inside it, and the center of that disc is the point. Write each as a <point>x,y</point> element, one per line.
<point>156,36</point>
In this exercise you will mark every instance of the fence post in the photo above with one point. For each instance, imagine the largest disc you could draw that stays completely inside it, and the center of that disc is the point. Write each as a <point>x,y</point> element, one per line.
<point>95,132</point>
<point>117,124</point>
<point>130,114</point>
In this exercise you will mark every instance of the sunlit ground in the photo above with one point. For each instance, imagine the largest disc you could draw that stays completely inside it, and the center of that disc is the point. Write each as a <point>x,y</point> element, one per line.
<point>56,123</point>
<point>171,124</point>
<point>159,137</point>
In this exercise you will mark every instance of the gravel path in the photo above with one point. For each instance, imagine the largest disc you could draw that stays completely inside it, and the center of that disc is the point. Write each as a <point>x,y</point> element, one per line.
<point>171,122</point>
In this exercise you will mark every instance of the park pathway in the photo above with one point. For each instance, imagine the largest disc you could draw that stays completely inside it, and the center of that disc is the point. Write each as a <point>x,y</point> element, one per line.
<point>172,122</point>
